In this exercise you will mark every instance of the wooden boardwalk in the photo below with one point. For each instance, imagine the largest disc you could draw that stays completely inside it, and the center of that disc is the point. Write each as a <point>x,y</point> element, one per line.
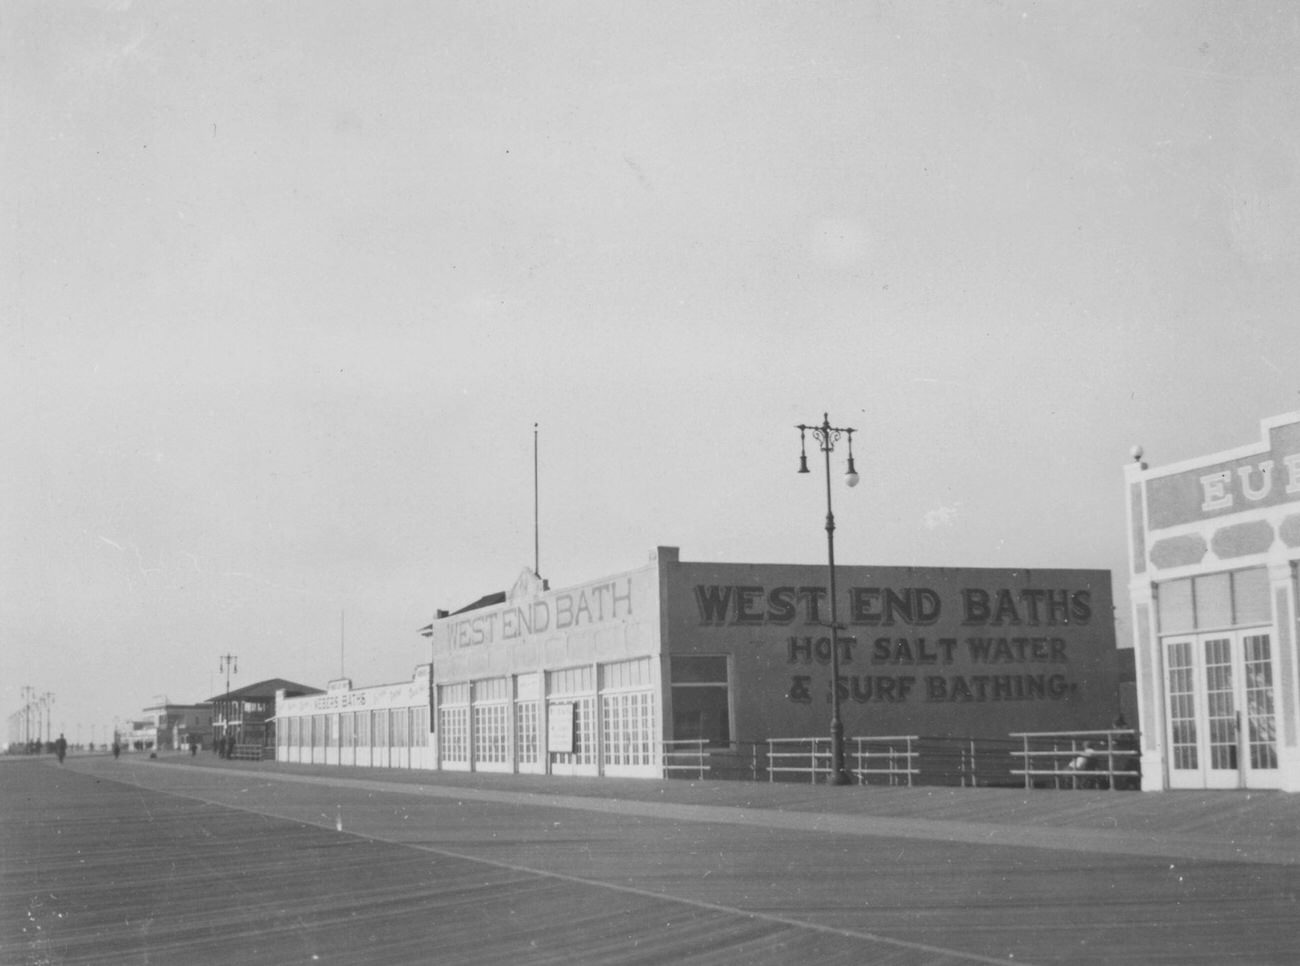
<point>199,861</point>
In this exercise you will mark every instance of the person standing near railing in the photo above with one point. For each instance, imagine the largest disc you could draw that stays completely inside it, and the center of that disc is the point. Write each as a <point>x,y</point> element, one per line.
<point>1086,762</point>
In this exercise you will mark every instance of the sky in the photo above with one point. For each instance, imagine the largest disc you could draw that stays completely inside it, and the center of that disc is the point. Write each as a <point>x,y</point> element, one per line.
<point>285,288</point>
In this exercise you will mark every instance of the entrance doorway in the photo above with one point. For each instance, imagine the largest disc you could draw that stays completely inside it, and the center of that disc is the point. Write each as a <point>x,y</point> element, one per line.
<point>1221,722</point>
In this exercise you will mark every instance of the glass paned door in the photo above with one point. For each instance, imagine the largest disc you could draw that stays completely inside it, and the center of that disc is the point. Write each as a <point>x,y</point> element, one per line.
<point>1221,708</point>
<point>1261,723</point>
<point>1222,730</point>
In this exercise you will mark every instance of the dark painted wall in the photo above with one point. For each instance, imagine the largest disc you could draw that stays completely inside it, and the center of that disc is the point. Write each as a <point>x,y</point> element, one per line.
<point>928,651</point>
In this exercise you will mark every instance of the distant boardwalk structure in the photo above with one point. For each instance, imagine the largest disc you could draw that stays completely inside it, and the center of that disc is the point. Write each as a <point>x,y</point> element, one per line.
<point>386,726</point>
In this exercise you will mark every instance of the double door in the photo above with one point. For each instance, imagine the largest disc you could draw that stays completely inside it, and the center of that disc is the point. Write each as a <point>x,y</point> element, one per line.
<point>1221,722</point>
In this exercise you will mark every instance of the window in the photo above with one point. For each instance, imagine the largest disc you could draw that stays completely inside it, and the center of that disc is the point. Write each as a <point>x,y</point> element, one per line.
<point>628,712</point>
<point>527,692</point>
<point>453,722</point>
<point>1237,598</point>
<point>1182,705</point>
<point>629,722</point>
<point>397,731</point>
<point>421,726</point>
<point>701,699</point>
<point>577,686</point>
<point>526,732</point>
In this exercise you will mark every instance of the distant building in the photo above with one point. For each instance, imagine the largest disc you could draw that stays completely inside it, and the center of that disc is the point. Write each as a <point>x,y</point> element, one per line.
<point>1214,549</point>
<point>384,726</point>
<point>139,734</point>
<point>608,677</point>
<point>171,726</point>
<point>248,713</point>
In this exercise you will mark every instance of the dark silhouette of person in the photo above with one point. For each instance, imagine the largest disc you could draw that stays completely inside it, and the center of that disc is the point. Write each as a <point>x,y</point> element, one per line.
<point>61,747</point>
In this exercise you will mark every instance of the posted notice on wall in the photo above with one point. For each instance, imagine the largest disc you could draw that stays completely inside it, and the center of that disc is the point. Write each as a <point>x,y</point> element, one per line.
<point>559,728</point>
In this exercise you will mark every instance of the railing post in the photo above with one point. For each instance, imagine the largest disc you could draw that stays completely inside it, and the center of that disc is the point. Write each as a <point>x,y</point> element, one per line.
<point>1110,759</point>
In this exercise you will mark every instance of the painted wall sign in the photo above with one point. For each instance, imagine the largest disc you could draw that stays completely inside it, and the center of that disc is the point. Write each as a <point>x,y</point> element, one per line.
<point>756,605</point>
<point>594,604</point>
<point>405,695</point>
<point>921,650</point>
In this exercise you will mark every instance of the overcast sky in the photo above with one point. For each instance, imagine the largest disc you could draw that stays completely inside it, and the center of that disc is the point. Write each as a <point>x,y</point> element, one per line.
<point>285,287</point>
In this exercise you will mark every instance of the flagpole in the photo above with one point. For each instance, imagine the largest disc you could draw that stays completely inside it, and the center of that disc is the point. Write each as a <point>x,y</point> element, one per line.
<point>536,527</point>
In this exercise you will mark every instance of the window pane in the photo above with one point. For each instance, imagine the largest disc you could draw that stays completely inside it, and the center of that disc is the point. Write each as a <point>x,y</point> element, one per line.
<point>1182,705</point>
<point>1250,593</point>
<point>701,713</point>
<point>1213,601</point>
<point>1220,704</point>
<point>1175,605</point>
<point>686,670</point>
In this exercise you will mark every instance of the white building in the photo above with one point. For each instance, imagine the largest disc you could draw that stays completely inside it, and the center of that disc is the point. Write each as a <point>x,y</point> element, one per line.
<point>386,726</point>
<point>1214,547</point>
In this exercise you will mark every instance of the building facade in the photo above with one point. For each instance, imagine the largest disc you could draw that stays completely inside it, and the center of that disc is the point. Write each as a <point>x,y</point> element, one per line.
<point>173,726</point>
<point>378,727</point>
<point>247,714</point>
<point>605,677</point>
<point>1214,547</point>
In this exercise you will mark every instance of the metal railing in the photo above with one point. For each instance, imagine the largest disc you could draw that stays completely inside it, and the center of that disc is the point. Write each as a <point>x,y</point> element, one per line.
<point>1078,759</point>
<point>895,758</point>
<point>252,753</point>
<point>686,755</point>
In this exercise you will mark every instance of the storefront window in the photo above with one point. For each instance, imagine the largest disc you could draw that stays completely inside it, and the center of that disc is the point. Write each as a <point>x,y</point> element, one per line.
<point>576,686</point>
<point>453,722</point>
<point>701,700</point>
<point>628,709</point>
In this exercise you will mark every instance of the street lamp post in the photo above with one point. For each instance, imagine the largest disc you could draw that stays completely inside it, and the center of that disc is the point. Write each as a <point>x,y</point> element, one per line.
<point>225,663</point>
<point>29,696</point>
<point>826,436</point>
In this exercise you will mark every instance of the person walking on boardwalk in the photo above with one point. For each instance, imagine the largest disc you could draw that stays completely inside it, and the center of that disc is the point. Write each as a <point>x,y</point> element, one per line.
<point>61,747</point>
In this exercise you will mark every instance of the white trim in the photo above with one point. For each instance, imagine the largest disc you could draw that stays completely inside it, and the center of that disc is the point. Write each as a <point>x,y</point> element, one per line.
<point>1264,445</point>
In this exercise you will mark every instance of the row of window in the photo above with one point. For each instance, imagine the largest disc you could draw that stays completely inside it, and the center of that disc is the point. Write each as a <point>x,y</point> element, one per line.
<point>383,728</point>
<point>475,721</point>
<point>1212,601</point>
